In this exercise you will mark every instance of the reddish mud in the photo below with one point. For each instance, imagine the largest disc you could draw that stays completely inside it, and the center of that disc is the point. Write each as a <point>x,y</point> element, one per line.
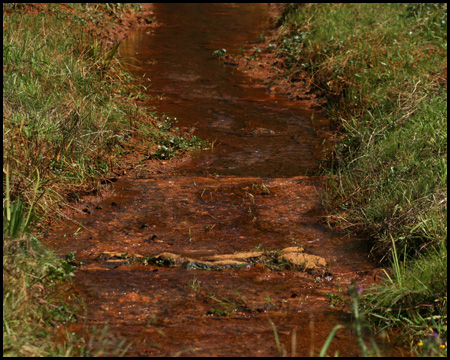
<point>255,190</point>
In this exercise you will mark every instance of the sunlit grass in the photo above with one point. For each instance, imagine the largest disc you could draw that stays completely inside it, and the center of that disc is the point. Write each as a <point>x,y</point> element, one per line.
<point>382,70</point>
<point>63,108</point>
<point>70,109</point>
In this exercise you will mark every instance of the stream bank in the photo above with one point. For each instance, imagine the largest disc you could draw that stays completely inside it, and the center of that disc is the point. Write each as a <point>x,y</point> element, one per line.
<point>70,123</point>
<point>256,190</point>
<point>382,69</point>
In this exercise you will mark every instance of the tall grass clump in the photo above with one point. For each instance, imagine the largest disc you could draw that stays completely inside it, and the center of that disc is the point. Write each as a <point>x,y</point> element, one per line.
<point>382,69</point>
<point>32,301</point>
<point>414,293</point>
<point>32,276</point>
<point>61,113</point>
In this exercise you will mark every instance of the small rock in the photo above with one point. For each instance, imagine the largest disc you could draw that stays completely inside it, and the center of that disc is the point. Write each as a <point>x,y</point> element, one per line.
<point>191,264</point>
<point>313,264</point>
<point>167,256</point>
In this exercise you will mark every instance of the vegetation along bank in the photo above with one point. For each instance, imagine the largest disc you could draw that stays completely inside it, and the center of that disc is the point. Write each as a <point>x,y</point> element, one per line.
<point>72,122</point>
<point>380,72</point>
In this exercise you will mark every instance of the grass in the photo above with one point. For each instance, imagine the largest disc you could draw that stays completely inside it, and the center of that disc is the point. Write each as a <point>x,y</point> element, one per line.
<point>358,324</point>
<point>366,343</point>
<point>382,70</point>
<point>226,306</point>
<point>71,120</point>
<point>415,295</point>
<point>70,108</point>
<point>31,305</point>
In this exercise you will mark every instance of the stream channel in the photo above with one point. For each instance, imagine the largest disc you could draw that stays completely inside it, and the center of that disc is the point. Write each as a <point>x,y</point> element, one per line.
<point>256,190</point>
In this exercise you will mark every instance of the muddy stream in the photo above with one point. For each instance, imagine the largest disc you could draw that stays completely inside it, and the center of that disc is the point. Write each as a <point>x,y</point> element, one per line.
<point>219,221</point>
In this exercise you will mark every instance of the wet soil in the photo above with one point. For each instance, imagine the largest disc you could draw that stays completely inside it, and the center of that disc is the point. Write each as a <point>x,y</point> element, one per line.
<point>256,189</point>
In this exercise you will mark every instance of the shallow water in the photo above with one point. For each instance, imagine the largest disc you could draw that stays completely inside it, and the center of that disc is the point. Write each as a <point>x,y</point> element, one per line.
<point>256,133</point>
<point>256,189</point>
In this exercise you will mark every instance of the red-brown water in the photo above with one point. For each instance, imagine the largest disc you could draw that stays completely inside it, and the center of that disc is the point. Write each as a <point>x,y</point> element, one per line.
<point>256,188</point>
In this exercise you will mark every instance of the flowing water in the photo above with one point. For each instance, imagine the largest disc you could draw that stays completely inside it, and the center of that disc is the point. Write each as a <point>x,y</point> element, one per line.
<point>256,189</point>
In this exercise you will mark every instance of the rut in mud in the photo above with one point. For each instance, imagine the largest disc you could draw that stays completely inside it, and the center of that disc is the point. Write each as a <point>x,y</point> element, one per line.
<point>255,191</point>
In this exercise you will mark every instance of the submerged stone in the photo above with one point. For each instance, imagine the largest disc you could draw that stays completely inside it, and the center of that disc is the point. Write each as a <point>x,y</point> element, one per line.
<point>213,265</point>
<point>312,264</point>
<point>169,257</point>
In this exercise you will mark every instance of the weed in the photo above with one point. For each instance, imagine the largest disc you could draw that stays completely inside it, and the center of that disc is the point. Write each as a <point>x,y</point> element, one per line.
<point>261,38</point>
<point>251,196</point>
<point>194,284</point>
<point>256,53</point>
<point>97,343</point>
<point>281,347</point>
<point>296,240</point>
<point>227,306</point>
<point>272,260</point>
<point>277,340</point>
<point>218,312</point>
<point>176,145</point>
<point>147,260</point>
<point>269,300</point>
<point>31,276</point>
<point>415,295</point>
<point>262,188</point>
<point>335,300</point>
<point>357,325</point>
<point>220,53</point>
